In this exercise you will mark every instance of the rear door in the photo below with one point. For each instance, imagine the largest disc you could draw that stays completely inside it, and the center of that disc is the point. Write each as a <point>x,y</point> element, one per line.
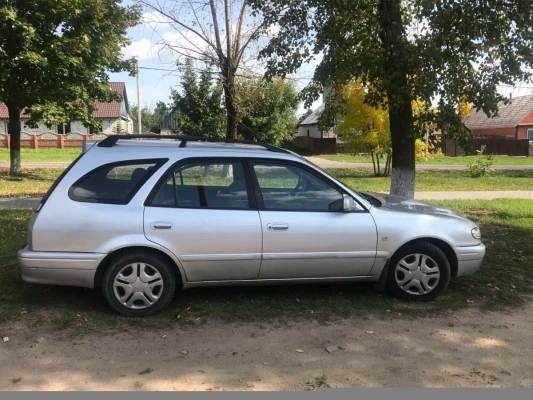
<point>306,233</point>
<point>203,211</point>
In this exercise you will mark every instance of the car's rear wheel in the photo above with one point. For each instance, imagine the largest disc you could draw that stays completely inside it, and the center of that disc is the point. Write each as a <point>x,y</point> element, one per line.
<point>419,272</point>
<point>138,284</point>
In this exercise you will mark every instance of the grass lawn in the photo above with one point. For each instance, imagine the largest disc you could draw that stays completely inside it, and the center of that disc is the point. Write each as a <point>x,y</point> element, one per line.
<point>504,281</point>
<point>43,155</point>
<point>35,182</point>
<point>440,180</point>
<point>443,160</point>
<point>32,182</point>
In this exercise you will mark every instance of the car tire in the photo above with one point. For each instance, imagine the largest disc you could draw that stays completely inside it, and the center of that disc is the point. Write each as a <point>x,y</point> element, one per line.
<point>138,284</point>
<point>418,267</point>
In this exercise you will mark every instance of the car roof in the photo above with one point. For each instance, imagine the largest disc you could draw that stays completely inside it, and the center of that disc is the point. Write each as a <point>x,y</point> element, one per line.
<point>156,147</point>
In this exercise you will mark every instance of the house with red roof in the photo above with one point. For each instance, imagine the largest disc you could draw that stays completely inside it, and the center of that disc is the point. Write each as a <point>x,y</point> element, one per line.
<point>115,117</point>
<point>514,120</point>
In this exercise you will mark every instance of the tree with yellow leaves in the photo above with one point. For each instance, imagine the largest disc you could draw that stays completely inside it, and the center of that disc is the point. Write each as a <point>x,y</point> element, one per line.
<point>365,129</point>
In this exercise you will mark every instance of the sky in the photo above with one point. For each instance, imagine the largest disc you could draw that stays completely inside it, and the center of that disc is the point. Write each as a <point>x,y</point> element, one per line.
<point>155,85</point>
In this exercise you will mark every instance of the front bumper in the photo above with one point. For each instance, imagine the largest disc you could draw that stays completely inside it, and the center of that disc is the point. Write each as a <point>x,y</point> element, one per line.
<point>469,259</point>
<point>59,268</point>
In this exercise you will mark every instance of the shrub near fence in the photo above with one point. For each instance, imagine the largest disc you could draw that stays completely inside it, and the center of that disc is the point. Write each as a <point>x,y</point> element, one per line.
<point>50,140</point>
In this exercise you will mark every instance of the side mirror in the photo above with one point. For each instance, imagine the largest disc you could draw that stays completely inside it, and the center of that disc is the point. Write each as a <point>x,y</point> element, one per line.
<point>349,204</point>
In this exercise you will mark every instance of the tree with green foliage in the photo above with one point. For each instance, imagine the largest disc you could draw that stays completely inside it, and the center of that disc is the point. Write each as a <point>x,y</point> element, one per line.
<point>440,51</point>
<point>55,57</point>
<point>217,33</point>
<point>199,104</point>
<point>268,110</point>
<point>150,119</point>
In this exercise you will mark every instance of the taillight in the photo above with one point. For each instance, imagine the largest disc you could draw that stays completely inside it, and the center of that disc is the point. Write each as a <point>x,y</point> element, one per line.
<point>56,182</point>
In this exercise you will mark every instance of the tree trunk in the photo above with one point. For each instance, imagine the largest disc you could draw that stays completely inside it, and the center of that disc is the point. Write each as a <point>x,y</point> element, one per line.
<point>231,109</point>
<point>14,133</point>
<point>395,64</point>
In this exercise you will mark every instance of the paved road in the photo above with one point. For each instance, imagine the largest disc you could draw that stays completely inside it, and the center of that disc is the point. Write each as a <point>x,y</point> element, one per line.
<point>31,202</point>
<point>321,162</point>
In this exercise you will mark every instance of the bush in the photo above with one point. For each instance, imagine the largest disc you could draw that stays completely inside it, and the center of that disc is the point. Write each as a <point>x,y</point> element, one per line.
<point>481,165</point>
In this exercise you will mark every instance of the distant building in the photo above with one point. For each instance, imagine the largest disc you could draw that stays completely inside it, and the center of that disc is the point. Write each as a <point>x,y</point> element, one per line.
<point>309,126</point>
<point>115,116</point>
<point>514,120</point>
<point>169,124</point>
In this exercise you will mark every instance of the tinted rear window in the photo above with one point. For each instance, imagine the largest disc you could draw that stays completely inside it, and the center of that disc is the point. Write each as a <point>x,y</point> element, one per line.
<point>114,183</point>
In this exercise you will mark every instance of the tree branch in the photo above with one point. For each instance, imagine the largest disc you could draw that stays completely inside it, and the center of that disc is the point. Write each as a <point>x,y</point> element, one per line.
<point>160,10</point>
<point>217,30</point>
<point>238,33</point>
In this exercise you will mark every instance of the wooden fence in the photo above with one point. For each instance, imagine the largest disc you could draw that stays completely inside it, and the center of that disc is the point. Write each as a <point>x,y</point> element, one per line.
<point>316,145</point>
<point>494,146</point>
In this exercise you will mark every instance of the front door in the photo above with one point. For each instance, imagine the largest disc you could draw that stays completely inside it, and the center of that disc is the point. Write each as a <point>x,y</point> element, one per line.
<point>204,212</point>
<point>306,233</point>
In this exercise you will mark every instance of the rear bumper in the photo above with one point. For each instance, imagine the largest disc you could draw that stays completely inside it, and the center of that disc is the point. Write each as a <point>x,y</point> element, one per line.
<point>59,268</point>
<point>469,259</point>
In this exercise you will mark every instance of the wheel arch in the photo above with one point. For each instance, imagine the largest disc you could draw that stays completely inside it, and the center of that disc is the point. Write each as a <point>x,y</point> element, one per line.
<point>180,275</point>
<point>444,246</point>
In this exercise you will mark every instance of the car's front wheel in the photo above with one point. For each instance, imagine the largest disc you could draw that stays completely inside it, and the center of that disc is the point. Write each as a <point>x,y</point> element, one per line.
<point>419,272</point>
<point>138,284</point>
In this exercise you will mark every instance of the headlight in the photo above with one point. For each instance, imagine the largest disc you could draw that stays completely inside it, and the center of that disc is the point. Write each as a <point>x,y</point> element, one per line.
<point>476,233</point>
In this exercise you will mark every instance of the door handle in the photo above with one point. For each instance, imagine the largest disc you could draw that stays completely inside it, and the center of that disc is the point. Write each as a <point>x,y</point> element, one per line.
<point>161,225</point>
<point>278,227</point>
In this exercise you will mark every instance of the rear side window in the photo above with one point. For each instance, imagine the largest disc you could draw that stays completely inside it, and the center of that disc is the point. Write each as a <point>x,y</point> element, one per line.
<point>210,184</point>
<point>114,183</point>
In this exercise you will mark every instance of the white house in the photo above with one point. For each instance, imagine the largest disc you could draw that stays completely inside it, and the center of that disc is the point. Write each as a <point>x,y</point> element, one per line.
<point>115,116</point>
<point>309,126</point>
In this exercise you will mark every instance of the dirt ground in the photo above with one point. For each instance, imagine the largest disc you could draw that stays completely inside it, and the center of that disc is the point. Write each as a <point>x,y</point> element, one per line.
<point>465,349</point>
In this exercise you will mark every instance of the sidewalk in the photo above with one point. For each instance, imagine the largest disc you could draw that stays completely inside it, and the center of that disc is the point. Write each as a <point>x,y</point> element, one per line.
<point>31,202</point>
<point>323,163</point>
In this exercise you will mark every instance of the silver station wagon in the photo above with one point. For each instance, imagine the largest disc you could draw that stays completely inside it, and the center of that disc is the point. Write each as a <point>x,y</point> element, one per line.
<point>138,218</point>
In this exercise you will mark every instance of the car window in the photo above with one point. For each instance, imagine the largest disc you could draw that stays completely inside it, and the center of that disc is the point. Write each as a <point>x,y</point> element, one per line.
<point>288,187</point>
<point>114,183</point>
<point>205,185</point>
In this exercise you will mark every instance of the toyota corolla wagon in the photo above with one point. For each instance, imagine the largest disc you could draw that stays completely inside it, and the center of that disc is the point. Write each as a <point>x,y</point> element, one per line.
<point>139,216</point>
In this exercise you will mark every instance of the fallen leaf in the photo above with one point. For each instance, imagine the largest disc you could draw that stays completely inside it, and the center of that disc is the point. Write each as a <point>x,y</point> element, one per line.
<point>146,371</point>
<point>164,336</point>
<point>369,332</point>
<point>299,351</point>
<point>17,380</point>
<point>6,339</point>
<point>513,286</point>
<point>489,284</point>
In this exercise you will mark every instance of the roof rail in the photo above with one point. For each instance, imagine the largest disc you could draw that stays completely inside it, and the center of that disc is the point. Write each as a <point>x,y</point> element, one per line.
<point>112,140</point>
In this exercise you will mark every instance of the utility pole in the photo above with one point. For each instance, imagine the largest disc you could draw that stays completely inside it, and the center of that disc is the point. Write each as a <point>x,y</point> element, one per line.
<point>138,97</point>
